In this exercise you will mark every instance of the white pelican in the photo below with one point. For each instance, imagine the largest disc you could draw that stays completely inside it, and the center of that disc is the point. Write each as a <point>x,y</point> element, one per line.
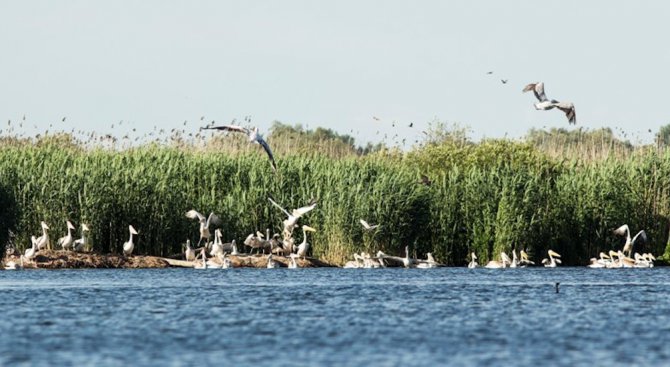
<point>429,263</point>
<point>82,243</point>
<point>545,104</point>
<point>503,263</point>
<point>366,226</point>
<point>201,264</point>
<point>525,259</point>
<point>67,241</point>
<point>515,261</point>
<point>552,261</point>
<point>255,241</point>
<point>406,261</point>
<point>358,262</point>
<point>217,246</point>
<point>473,261</point>
<point>293,217</point>
<point>11,265</point>
<point>253,136</point>
<point>225,262</point>
<point>641,261</point>
<point>614,263</point>
<point>43,240</point>
<point>129,246</point>
<point>630,243</point>
<point>304,246</point>
<point>30,252</point>
<point>233,250</point>
<point>369,263</point>
<point>205,223</point>
<point>625,261</point>
<point>293,264</point>
<point>271,263</point>
<point>189,253</point>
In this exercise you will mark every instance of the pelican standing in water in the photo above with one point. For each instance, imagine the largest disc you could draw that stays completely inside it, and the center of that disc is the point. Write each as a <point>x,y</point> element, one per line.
<point>405,261</point>
<point>304,246</point>
<point>429,263</point>
<point>554,258</point>
<point>473,261</point>
<point>293,264</point>
<point>189,253</point>
<point>67,241</point>
<point>525,259</point>
<point>293,217</point>
<point>630,242</point>
<point>43,240</point>
<point>82,243</point>
<point>253,136</point>
<point>503,263</point>
<point>225,261</point>
<point>205,223</point>
<point>129,246</point>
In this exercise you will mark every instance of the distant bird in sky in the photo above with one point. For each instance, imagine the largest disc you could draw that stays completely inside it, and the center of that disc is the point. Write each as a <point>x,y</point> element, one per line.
<point>253,136</point>
<point>504,81</point>
<point>411,124</point>
<point>489,72</point>
<point>63,119</point>
<point>545,104</point>
<point>375,118</point>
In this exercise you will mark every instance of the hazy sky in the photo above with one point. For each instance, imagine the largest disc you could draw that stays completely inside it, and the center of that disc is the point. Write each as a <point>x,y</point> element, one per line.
<point>333,64</point>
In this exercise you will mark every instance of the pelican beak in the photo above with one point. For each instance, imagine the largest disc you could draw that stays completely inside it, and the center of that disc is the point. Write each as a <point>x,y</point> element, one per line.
<point>308,228</point>
<point>554,253</point>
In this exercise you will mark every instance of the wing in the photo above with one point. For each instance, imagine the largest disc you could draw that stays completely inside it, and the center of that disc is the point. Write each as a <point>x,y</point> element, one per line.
<point>538,90</point>
<point>569,110</point>
<point>265,146</point>
<point>192,214</point>
<point>642,237</point>
<point>365,224</point>
<point>302,211</point>
<point>234,128</point>
<point>280,208</point>
<point>621,231</point>
<point>213,219</point>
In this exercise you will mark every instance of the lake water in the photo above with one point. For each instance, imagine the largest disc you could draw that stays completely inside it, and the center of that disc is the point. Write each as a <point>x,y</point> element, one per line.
<point>336,317</point>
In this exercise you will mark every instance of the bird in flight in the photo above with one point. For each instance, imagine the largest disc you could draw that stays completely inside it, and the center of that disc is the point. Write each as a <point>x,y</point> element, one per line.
<point>253,136</point>
<point>489,72</point>
<point>545,104</point>
<point>504,81</point>
<point>366,226</point>
<point>375,118</point>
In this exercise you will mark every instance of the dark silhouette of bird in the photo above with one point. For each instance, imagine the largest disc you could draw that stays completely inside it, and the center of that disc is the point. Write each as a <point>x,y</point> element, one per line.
<point>504,81</point>
<point>63,119</point>
<point>425,180</point>
<point>375,118</point>
<point>411,124</point>
<point>489,72</point>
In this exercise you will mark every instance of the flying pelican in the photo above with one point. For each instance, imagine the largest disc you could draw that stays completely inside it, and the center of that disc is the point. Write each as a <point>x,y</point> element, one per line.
<point>293,217</point>
<point>189,253</point>
<point>504,261</point>
<point>67,241</point>
<point>253,136</point>
<point>82,243</point>
<point>43,240</point>
<point>271,263</point>
<point>304,246</point>
<point>204,223</point>
<point>630,243</point>
<point>473,261</point>
<point>129,246</point>
<point>366,226</point>
<point>545,104</point>
<point>551,262</point>
<point>11,265</point>
<point>30,252</point>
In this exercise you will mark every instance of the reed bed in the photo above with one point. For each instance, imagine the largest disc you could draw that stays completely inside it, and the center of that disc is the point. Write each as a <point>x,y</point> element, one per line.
<point>488,197</point>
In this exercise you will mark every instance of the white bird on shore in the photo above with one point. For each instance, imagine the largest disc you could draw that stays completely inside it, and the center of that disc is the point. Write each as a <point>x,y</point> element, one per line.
<point>82,243</point>
<point>271,263</point>
<point>473,261</point>
<point>43,240</point>
<point>293,217</point>
<point>129,246</point>
<point>205,223</point>
<point>366,226</point>
<point>67,241</point>
<point>304,246</point>
<point>225,261</point>
<point>554,258</point>
<point>203,263</point>
<point>11,265</point>
<point>630,242</point>
<point>217,247</point>
<point>253,136</point>
<point>189,253</point>
<point>30,252</point>
<point>293,264</point>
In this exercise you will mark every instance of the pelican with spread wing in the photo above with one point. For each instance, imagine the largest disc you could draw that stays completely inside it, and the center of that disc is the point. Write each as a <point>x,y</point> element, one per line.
<point>253,136</point>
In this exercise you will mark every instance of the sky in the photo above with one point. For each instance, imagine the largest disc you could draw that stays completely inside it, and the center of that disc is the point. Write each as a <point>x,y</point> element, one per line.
<point>333,64</point>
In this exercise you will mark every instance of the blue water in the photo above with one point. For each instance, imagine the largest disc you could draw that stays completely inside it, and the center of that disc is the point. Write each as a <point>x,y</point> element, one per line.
<point>341,317</point>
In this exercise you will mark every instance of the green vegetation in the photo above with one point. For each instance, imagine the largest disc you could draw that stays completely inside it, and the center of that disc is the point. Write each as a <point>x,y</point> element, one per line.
<point>485,197</point>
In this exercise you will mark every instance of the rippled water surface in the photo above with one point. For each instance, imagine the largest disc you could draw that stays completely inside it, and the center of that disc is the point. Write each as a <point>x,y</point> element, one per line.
<point>350,317</point>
